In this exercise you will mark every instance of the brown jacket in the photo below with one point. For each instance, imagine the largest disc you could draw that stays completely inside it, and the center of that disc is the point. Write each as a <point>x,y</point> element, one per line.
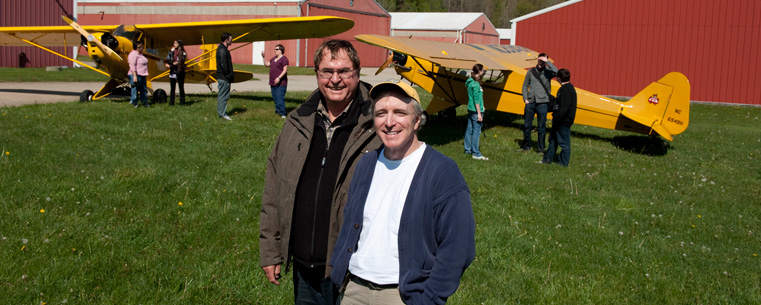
<point>284,167</point>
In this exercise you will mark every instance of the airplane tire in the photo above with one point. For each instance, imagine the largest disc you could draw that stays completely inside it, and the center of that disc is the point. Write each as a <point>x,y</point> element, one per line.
<point>449,113</point>
<point>86,96</point>
<point>159,96</point>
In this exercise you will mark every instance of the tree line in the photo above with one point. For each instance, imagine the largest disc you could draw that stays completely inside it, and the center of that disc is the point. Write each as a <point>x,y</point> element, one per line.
<point>498,11</point>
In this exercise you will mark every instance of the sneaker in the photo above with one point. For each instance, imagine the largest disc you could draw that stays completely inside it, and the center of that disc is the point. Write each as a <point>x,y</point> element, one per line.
<point>135,106</point>
<point>226,117</point>
<point>480,158</point>
<point>282,117</point>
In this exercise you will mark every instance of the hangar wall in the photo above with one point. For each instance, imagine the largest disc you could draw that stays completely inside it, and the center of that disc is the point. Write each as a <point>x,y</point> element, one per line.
<point>619,47</point>
<point>369,18</point>
<point>31,13</point>
<point>481,31</point>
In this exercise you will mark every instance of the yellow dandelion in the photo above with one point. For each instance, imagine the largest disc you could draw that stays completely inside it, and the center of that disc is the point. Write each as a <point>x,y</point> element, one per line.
<point>7,153</point>
<point>23,247</point>
<point>693,226</point>
<point>50,114</point>
<point>179,203</point>
<point>73,249</point>
<point>755,254</point>
<point>42,210</point>
<point>699,216</point>
<point>495,136</point>
<point>3,113</point>
<point>26,116</point>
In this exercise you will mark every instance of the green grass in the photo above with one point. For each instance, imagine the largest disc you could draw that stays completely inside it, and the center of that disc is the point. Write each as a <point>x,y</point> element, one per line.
<point>628,222</point>
<point>40,75</point>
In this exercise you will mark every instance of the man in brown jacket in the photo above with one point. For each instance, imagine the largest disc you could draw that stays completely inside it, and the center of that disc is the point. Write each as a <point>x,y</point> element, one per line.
<point>309,171</point>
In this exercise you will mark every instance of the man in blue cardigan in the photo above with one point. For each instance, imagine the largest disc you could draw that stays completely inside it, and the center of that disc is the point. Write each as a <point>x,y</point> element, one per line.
<point>408,232</point>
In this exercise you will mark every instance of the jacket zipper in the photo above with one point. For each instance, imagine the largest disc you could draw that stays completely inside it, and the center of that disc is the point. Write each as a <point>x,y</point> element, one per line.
<point>314,215</point>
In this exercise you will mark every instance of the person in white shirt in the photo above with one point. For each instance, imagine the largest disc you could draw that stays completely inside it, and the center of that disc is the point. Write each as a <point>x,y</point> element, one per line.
<point>408,232</point>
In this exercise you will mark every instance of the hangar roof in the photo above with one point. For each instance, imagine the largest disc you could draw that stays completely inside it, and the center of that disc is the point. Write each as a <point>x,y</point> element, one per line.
<point>432,21</point>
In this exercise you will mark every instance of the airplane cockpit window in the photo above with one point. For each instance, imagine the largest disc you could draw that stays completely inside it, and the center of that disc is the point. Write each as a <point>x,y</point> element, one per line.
<point>129,32</point>
<point>495,76</point>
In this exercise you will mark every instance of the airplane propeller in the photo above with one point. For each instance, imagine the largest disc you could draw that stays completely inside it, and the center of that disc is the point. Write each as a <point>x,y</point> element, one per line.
<point>91,38</point>
<point>385,64</point>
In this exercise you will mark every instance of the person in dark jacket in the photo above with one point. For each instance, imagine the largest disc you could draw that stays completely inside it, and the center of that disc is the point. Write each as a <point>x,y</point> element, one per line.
<point>225,75</point>
<point>308,174</point>
<point>408,232</point>
<point>562,119</point>
<point>175,61</point>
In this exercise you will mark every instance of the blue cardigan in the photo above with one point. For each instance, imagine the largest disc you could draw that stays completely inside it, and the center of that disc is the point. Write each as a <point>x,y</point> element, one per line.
<point>436,231</point>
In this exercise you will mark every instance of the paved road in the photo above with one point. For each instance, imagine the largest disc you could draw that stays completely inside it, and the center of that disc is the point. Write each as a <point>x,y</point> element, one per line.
<point>19,94</point>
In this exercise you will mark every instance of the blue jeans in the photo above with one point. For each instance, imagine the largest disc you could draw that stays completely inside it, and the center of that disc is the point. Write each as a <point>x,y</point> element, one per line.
<point>559,136</point>
<point>139,87</point>
<point>224,94</point>
<point>278,94</point>
<point>528,120</point>
<point>310,287</point>
<point>472,134</point>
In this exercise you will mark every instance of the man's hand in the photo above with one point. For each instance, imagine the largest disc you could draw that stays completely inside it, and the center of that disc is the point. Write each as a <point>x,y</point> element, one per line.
<point>273,273</point>
<point>526,101</point>
<point>480,117</point>
<point>543,58</point>
<point>262,54</point>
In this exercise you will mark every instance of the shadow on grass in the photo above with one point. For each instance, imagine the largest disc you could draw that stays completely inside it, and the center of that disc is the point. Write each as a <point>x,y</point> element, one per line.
<point>38,91</point>
<point>644,145</point>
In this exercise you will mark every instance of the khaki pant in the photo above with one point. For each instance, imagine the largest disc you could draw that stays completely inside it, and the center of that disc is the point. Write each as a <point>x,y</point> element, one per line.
<point>358,294</point>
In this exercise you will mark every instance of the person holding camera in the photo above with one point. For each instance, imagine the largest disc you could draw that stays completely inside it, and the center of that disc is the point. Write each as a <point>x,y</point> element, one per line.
<point>536,94</point>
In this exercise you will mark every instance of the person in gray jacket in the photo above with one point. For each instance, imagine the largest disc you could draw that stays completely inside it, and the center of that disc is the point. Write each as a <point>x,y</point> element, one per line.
<point>308,174</point>
<point>537,100</point>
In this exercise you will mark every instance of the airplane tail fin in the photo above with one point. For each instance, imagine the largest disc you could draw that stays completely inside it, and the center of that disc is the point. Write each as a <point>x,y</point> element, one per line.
<point>663,106</point>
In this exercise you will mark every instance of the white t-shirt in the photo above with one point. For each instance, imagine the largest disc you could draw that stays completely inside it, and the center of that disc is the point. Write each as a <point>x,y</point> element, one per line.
<point>377,256</point>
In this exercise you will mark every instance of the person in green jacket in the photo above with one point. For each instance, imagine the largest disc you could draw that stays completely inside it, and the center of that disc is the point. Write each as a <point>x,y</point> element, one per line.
<point>475,112</point>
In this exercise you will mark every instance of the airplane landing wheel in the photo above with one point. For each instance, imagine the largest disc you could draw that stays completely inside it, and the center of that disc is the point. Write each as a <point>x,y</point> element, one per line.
<point>448,113</point>
<point>159,96</point>
<point>86,96</point>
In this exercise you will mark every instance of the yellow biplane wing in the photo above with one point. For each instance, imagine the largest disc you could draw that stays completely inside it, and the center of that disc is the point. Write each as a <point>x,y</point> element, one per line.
<point>51,36</point>
<point>248,30</point>
<point>459,56</point>
<point>192,33</point>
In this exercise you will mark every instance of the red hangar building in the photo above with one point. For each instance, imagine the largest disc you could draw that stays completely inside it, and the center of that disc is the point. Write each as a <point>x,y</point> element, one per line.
<point>616,48</point>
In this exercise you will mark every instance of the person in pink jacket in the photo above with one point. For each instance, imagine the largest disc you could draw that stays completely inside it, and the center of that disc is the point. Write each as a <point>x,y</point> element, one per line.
<point>138,71</point>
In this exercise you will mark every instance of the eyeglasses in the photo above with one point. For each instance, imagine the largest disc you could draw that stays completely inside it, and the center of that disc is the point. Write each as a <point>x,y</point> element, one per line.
<point>276,49</point>
<point>342,73</point>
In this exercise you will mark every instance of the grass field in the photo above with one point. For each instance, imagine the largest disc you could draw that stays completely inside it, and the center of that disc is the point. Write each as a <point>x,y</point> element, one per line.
<point>101,203</point>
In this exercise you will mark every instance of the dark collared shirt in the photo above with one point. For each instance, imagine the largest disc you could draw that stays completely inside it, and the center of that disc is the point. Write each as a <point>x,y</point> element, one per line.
<point>330,127</point>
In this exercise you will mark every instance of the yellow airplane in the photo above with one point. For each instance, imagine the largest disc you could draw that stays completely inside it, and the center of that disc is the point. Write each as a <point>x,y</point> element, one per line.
<point>662,108</point>
<point>109,45</point>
